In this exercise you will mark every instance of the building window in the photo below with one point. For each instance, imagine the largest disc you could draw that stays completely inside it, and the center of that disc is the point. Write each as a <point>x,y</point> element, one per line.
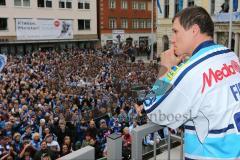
<point>176,6</point>
<point>65,3</point>
<point>87,24</point>
<point>61,3</point>
<point>141,23</point>
<point>80,4</point>
<point>17,3</point>
<point>134,5</point>
<point>41,3</point>
<point>2,2</point>
<point>112,4</point>
<point>225,6</point>
<point>26,3</point>
<point>49,3</point>
<point>190,3</point>
<point>124,4</point>
<point>83,4</point>
<point>45,3</point>
<point>112,23</point>
<point>81,24</point>
<point>149,23</point>
<point>212,7</point>
<point>87,5</point>
<point>166,9</point>
<point>3,24</point>
<point>22,3</point>
<point>134,23</point>
<point>142,5</point>
<point>124,23</point>
<point>84,24</point>
<point>69,4</point>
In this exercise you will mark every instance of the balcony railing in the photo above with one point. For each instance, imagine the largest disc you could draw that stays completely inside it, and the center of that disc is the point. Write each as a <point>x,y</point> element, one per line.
<point>140,132</point>
<point>87,153</point>
<point>114,145</point>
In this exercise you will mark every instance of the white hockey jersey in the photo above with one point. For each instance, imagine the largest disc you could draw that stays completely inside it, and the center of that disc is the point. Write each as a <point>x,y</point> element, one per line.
<point>202,93</point>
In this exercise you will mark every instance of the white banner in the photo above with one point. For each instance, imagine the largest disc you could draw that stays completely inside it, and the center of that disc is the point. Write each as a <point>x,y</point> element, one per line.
<point>225,17</point>
<point>118,36</point>
<point>39,29</point>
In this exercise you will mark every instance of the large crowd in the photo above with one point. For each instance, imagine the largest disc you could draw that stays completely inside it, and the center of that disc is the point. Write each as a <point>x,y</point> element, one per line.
<point>55,102</point>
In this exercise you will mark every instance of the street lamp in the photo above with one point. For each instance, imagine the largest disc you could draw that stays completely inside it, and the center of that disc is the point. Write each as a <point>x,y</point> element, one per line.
<point>230,24</point>
<point>151,56</point>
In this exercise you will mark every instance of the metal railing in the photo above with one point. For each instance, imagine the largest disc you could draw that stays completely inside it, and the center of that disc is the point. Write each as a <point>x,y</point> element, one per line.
<point>137,136</point>
<point>114,145</point>
<point>86,153</point>
<point>140,132</point>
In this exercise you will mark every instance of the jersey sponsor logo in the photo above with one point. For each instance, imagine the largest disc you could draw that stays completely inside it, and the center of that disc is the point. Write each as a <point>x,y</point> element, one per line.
<point>235,89</point>
<point>218,75</point>
<point>170,75</point>
<point>150,98</point>
<point>159,89</point>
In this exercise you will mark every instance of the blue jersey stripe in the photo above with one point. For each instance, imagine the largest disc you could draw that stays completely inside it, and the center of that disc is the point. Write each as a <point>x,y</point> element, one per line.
<point>203,45</point>
<point>218,147</point>
<point>213,131</point>
<point>204,50</point>
<point>189,127</point>
<point>150,109</point>
<point>186,158</point>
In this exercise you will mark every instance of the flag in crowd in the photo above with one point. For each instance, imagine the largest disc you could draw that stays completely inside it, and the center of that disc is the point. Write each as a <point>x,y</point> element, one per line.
<point>3,61</point>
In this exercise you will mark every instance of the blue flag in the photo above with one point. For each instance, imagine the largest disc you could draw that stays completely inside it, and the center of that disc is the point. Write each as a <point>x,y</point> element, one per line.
<point>3,61</point>
<point>180,5</point>
<point>159,7</point>
<point>235,5</point>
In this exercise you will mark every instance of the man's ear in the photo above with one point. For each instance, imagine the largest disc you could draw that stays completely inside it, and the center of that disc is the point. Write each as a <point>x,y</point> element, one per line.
<point>195,29</point>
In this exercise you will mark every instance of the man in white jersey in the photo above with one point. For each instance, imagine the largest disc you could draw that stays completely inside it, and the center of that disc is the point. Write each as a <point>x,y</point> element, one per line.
<point>199,88</point>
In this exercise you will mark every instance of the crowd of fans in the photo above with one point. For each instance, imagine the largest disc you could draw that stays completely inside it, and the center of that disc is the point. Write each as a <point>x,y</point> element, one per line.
<point>55,102</point>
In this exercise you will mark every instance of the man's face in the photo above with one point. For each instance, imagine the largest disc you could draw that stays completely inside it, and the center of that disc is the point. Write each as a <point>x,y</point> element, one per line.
<point>44,145</point>
<point>28,130</point>
<point>49,139</point>
<point>181,39</point>
<point>12,119</point>
<point>92,124</point>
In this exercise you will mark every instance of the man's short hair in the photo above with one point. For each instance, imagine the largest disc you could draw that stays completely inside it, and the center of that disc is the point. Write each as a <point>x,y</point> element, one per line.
<point>43,141</point>
<point>196,15</point>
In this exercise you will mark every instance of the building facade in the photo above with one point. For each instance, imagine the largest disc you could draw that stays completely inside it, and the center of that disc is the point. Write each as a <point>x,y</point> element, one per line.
<point>214,8</point>
<point>124,20</point>
<point>28,25</point>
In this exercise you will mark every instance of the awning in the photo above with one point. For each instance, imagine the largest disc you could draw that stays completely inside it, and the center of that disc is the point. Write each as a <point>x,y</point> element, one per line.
<point>48,41</point>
